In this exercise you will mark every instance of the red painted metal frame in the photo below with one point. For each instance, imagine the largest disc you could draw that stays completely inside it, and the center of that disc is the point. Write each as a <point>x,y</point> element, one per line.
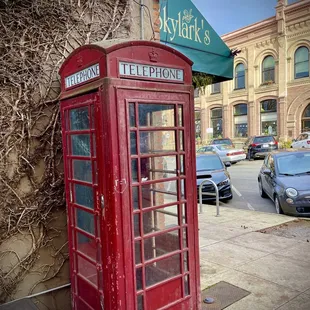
<point>113,165</point>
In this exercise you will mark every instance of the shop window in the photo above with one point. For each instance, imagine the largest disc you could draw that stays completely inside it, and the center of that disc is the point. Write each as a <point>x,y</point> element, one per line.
<point>239,76</point>
<point>196,92</point>
<point>268,70</point>
<point>305,121</point>
<point>301,62</point>
<point>269,118</point>
<point>217,122</point>
<point>216,88</point>
<point>241,120</point>
<point>198,124</point>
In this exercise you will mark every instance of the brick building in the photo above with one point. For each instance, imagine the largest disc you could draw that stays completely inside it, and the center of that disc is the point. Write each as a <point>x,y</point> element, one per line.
<point>270,92</point>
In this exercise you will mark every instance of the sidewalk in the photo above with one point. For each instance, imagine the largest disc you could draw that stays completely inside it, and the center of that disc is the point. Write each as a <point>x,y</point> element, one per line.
<point>274,270</point>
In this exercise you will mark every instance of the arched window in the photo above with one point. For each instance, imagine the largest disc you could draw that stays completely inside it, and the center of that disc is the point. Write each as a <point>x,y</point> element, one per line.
<point>239,76</point>
<point>241,120</point>
<point>305,121</point>
<point>269,117</point>
<point>216,122</point>
<point>301,62</point>
<point>268,70</point>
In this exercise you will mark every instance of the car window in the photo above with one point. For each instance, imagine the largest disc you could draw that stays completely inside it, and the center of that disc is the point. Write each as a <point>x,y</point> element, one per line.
<point>224,147</point>
<point>299,138</point>
<point>266,161</point>
<point>266,139</point>
<point>271,164</point>
<point>304,137</point>
<point>206,149</point>
<point>209,162</point>
<point>295,163</point>
<point>223,141</point>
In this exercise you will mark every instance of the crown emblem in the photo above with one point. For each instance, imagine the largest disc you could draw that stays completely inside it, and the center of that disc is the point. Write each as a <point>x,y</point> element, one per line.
<point>153,56</point>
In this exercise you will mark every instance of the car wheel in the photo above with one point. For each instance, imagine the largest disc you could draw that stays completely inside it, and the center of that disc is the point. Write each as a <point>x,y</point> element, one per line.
<point>278,206</point>
<point>261,190</point>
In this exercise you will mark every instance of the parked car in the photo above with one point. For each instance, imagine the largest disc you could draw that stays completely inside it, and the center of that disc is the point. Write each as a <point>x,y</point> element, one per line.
<point>210,166</point>
<point>222,141</point>
<point>285,179</point>
<point>302,141</point>
<point>260,146</point>
<point>227,153</point>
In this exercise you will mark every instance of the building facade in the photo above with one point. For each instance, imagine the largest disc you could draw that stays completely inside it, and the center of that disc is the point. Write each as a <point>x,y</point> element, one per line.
<point>270,92</point>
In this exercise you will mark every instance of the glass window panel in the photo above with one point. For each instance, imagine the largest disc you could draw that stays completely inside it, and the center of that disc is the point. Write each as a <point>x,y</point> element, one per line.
<point>159,194</point>
<point>136,224</point>
<point>160,219</point>
<point>181,133</point>
<point>138,252</point>
<point>84,195</point>
<point>157,141</point>
<point>269,128</point>
<point>269,105</point>
<point>139,284</point>
<point>86,245</point>
<point>79,118</point>
<point>301,54</point>
<point>87,270</point>
<point>85,221</point>
<point>216,88</point>
<point>80,145</point>
<point>240,109</point>
<point>268,62</point>
<point>156,115</point>
<point>306,125</point>
<point>241,130</point>
<point>162,270</point>
<point>132,115</point>
<point>216,113</point>
<point>181,116</point>
<point>185,238</point>
<point>302,69</point>
<point>155,168</point>
<point>92,112</point>
<point>134,170</point>
<point>186,285</point>
<point>140,302</point>
<point>182,164</point>
<point>184,216</point>
<point>183,189</point>
<point>94,145</point>
<point>162,244</point>
<point>133,143</point>
<point>82,170</point>
<point>185,258</point>
<point>135,197</point>
<point>307,111</point>
<point>95,172</point>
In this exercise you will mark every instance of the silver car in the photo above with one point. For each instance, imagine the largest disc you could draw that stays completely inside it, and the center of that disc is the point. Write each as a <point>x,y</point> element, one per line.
<point>227,153</point>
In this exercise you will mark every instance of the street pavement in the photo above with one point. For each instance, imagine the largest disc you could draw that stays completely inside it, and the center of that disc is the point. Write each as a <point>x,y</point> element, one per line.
<point>273,269</point>
<point>245,188</point>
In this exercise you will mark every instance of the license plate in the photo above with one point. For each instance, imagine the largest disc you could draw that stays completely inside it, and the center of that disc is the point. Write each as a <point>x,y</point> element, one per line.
<point>265,145</point>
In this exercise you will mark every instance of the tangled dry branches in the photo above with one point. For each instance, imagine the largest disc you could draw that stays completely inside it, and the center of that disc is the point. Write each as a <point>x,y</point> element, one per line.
<point>36,37</point>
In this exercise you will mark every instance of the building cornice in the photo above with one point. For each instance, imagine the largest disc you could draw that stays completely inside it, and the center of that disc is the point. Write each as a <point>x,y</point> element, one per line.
<point>296,6</point>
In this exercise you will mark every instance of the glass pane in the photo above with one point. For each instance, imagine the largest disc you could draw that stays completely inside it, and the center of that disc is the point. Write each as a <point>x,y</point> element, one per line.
<point>135,197</point>
<point>84,195</point>
<point>185,258</point>
<point>217,127</point>
<point>132,115</point>
<point>268,62</point>
<point>92,112</point>
<point>307,111</point>
<point>138,252</point>
<point>86,245</point>
<point>269,128</point>
<point>184,216</point>
<point>134,170</point>
<point>181,133</point>
<point>95,172</point>
<point>160,245</point>
<point>139,279</point>
<point>156,115</point>
<point>240,68</point>
<point>157,141</point>
<point>185,238</point>
<point>140,302</point>
<point>269,105</point>
<point>133,143</point>
<point>136,223</point>
<point>94,145</point>
<point>80,145</point>
<point>216,113</point>
<point>162,270</point>
<point>160,219</point>
<point>87,270</point>
<point>302,69</point>
<point>301,54</point>
<point>181,116</point>
<point>156,168</point>
<point>82,170</point>
<point>79,119</point>
<point>186,285</point>
<point>182,164</point>
<point>306,125</point>
<point>183,189</point>
<point>241,130</point>
<point>240,109</point>
<point>85,221</point>
<point>159,194</point>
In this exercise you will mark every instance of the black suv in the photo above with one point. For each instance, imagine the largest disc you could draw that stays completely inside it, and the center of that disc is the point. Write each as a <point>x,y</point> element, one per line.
<point>260,146</point>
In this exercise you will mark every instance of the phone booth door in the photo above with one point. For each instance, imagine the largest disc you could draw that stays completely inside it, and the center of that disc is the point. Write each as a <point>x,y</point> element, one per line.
<point>162,200</point>
<point>80,159</point>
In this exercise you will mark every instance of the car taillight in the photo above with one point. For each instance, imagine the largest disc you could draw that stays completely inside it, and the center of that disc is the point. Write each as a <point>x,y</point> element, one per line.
<point>276,142</point>
<point>229,154</point>
<point>254,144</point>
<point>308,142</point>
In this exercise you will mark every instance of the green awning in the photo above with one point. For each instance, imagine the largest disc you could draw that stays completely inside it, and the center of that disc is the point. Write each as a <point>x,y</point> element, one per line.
<point>184,28</point>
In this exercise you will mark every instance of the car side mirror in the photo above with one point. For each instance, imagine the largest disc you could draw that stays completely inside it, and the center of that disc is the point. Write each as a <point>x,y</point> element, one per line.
<point>227,164</point>
<point>267,172</point>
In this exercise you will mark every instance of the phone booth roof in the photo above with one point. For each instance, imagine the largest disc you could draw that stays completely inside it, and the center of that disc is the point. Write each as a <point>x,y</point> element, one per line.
<point>126,59</point>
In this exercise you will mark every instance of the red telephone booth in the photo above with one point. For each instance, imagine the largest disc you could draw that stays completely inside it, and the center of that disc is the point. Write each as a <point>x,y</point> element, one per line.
<point>129,153</point>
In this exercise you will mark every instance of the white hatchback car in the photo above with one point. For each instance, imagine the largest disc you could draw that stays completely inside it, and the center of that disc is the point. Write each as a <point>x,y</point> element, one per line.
<point>302,141</point>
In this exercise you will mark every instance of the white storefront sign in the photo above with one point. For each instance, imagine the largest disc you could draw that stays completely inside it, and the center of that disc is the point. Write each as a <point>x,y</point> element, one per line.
<point>134,70</point>
<point>209,130</point>
<point>82,76</point>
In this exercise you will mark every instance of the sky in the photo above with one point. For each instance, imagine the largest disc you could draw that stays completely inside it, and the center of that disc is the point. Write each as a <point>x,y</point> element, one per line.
<point>228,15</point>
